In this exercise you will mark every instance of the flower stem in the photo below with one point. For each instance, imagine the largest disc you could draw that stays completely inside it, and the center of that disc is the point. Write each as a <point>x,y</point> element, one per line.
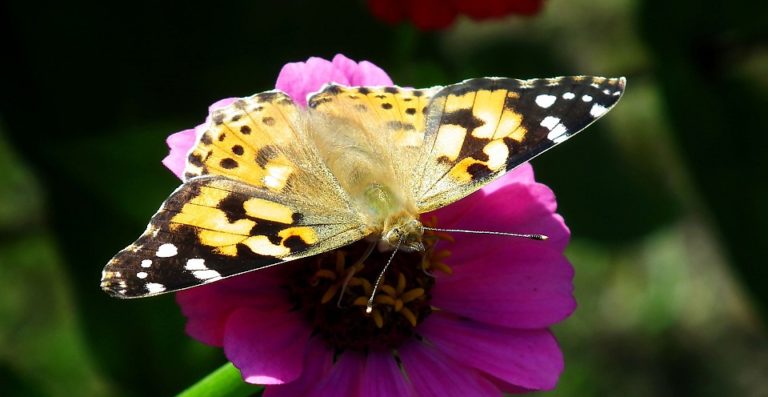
<point>225,381</point>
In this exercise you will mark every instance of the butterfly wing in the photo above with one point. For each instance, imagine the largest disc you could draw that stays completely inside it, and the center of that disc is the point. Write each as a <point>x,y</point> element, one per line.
<point>214,227</point>
<point>261,140</point>
<point>387,121</point>
<point>479,129</point>
<point>255,194</point>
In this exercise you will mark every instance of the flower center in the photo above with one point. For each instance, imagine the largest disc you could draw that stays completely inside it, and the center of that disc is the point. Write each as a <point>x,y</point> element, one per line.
<point>333,288</point>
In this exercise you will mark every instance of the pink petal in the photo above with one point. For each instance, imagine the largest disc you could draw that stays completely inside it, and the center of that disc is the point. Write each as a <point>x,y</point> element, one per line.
<point>515,208</point>
<point>382,377</point>
<point>526,358</point>
<point>523,173</point>
<point>267,347</point>
<point>434,374</point>
<point>344,378</point>
<point>363,73</point>
<point>512,284</point>
<point>207,307</point>
<point>301,78</point>
<point>318,362</point>
<point>179,144</point>
<point>370,74</point>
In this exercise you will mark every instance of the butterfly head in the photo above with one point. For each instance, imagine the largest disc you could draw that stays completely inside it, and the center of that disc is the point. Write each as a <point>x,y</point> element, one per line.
<point>406,232</point>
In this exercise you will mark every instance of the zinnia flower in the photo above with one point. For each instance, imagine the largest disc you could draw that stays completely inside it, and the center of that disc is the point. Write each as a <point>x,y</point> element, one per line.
<point>439,14</point>
<point>468,317</point>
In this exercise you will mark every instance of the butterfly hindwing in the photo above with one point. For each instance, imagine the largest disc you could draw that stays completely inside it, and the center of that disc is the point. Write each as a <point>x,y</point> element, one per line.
<point>388,121</point>
<point>215,227</point>
<point>479,129</point>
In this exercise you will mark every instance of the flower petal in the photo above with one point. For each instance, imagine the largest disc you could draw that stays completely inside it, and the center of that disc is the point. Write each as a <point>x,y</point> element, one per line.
<point>298,79</point>
<point>363,73</point>
<point>432,14</point>
<point>488,9</point>
<point>179,145</point>
<point>514,284</point>
<point>434,374</point>
<point>515,208</point>
<point>523,173</point>
<point>344,379</point>
<point>207,307</point>
<point>526,358</point>
<point>318,362</point>
<point>382,377</point>
<point>267,347</point>
<point>182,142</point>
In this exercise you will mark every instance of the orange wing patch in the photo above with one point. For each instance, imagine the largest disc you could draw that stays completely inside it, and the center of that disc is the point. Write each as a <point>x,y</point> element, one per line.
<point>246,141</point>
<point>398,111</point>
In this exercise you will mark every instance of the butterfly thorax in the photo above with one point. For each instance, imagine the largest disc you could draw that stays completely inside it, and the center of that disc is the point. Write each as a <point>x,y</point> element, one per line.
<point>363,169</point>
<point>399,226</point>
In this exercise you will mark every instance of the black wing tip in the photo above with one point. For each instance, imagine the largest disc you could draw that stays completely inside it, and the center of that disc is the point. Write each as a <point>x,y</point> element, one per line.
<point>114,290</point>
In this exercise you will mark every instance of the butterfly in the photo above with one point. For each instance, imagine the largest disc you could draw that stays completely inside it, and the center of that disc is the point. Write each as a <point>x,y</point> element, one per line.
<point>270,181</point>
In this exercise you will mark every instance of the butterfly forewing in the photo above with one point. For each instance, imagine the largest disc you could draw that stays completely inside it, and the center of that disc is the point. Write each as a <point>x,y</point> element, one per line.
<point>215,227</point>
<point>479,129</point>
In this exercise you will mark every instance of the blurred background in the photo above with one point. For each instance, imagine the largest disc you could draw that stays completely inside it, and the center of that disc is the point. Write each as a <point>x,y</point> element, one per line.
<point>666,196</point>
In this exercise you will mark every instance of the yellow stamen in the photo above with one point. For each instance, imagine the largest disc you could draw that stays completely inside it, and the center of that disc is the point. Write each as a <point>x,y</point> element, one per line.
<point>326,274</point>
<point>400,283</point>
<point>412,294</point>
<point>408,314</point>
<point>377,318</point>
<point>388,289</point>
<point>384,299</point>
<point>329,293</point>
<point>442,267</point>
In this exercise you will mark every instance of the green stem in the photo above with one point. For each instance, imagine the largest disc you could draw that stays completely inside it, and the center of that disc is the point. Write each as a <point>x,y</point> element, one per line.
<point>225,381</point>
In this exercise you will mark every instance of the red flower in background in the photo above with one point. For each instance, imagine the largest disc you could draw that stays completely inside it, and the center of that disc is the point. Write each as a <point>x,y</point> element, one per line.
<point>439,14</point>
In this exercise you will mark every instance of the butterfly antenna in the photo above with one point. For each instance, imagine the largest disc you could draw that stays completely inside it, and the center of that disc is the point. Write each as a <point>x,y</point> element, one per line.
<point>369,306</point>
<point>539,237</point>
<point>352,272</point>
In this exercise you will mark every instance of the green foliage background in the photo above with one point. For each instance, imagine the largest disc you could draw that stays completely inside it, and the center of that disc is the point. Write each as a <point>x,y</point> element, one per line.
<point>666,197</point>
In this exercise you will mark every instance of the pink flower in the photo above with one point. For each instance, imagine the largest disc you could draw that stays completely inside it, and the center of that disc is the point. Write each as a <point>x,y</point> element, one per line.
<point>474,323</point>
<point>296,79</point>
<point>440,14</point>
<point>488,330</point>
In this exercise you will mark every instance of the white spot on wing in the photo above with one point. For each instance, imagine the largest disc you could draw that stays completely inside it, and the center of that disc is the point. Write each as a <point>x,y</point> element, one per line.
<point>557,131</point>
<point>271,182</point>
<point>550,122</point>
<point>545,101</point>
<point>206,274</point>
<point>155,288</point>
<point>146,263</point>
<point>569,95</point>
<point>166,250</point>
<point>142,275</point>
<point>560,139</point>
<point>586,98</point>
<point>558,134</point>
<point>597,110</point>
<point>196,264</point>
